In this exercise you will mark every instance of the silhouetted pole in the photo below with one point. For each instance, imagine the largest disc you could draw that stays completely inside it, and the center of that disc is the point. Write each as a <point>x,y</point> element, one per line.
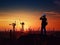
<point>10,34</point>
<point>22,24</point>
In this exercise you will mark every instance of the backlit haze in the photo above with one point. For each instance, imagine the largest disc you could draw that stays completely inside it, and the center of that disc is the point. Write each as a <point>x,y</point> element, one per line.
<point>29,13</point>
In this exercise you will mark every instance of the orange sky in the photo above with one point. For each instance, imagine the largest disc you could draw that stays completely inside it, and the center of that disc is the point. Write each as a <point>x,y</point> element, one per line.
<point>31,19</point>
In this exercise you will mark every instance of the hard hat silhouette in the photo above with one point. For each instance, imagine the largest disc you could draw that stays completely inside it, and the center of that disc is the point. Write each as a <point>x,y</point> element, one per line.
<point>43,14</point>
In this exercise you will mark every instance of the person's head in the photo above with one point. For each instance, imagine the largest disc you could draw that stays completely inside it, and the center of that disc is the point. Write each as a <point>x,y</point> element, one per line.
<point>44,15</point>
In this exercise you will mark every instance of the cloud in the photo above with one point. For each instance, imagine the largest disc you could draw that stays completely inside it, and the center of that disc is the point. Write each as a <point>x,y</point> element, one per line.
<point>54,14</point>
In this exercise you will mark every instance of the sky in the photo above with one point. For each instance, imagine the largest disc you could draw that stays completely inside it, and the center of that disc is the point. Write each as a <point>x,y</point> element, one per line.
<point>29,12</point>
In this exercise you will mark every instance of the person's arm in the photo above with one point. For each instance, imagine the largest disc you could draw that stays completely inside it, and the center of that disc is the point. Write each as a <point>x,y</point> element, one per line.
<point>41,18</point>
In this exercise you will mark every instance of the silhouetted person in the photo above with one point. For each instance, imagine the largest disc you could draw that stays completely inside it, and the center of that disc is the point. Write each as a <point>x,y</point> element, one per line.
<point>43,24</point>
<point>22,25</point>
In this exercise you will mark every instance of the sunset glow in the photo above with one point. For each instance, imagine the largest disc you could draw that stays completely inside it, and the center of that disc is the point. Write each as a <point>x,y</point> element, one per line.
<point>31,19</point>
<point>29,12</point>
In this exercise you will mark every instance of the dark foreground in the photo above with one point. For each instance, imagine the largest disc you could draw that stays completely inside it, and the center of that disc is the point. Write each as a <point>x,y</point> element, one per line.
<point>32,39</point>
